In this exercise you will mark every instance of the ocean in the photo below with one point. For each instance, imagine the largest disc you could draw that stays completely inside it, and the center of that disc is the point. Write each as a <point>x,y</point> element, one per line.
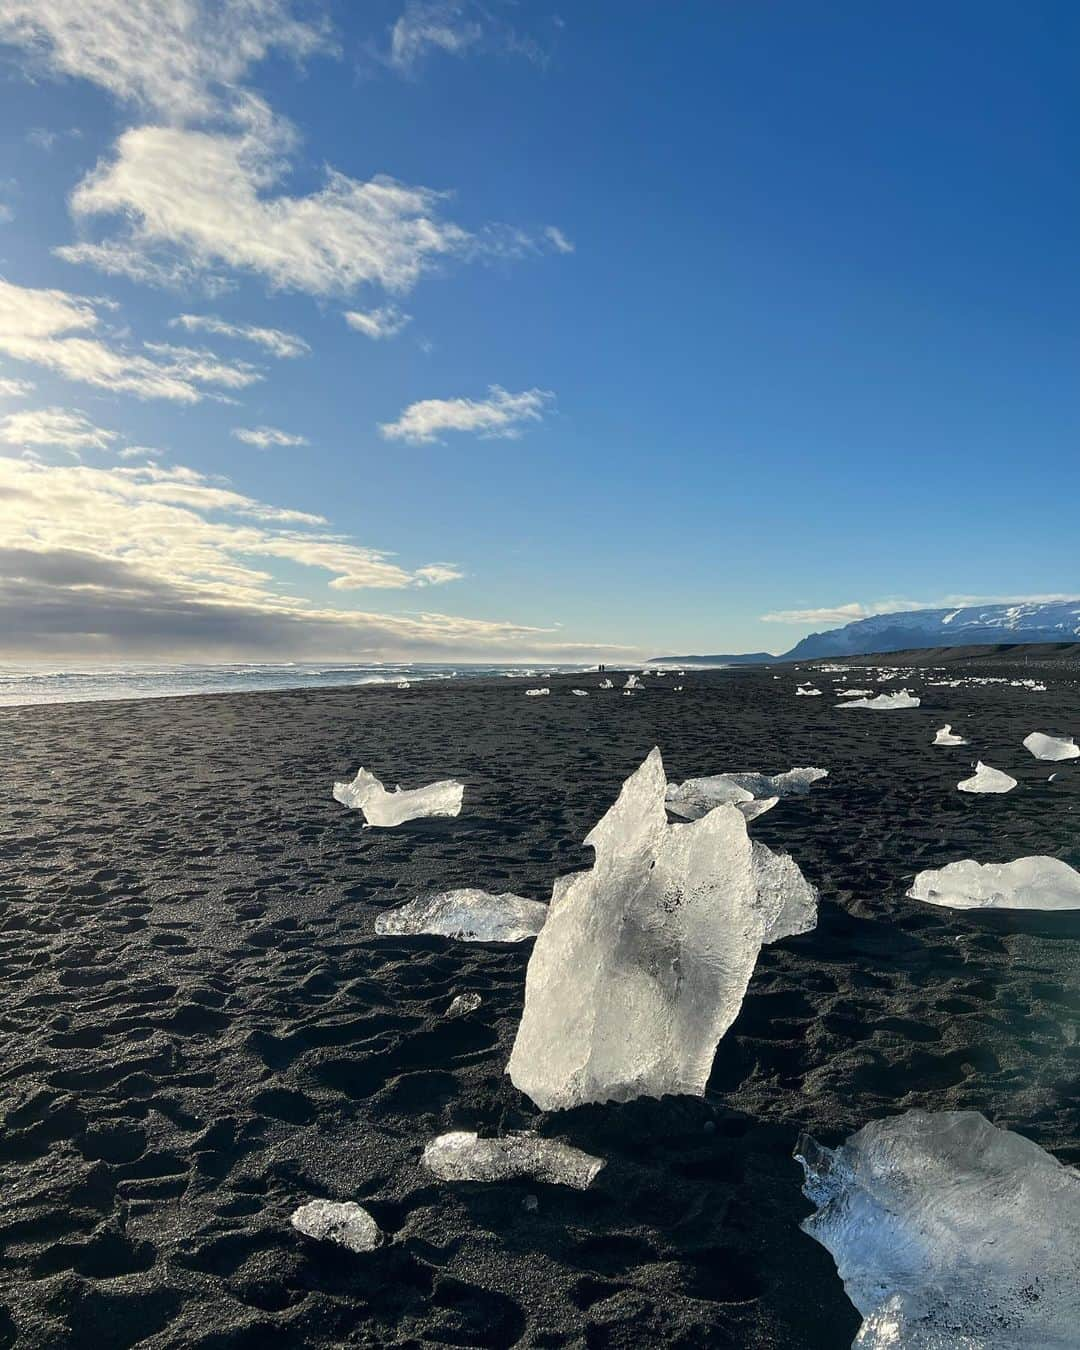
<point>21,686</point>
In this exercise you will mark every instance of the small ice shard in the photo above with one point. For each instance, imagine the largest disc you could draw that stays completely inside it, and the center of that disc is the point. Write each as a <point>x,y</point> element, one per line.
<point>462,1004</point>
<point>807,693</point>
<point>1051,747</point>
<point>986,779</point>
<point>404,684</point>
<point>854,693</point>
<point>605,684</point>
<point>469,915</point>
<point>751,810</point>
<point>696,796</point>
<point>949,1233</point>
<point>633,682</point>
<point>365,793</point>
<point>536,693</point>
<point>645,958</point>
<point>463,1156</point>
<point>581,693</point>
<point>347,1224</point>
<point>1027,883</point>
<point>946,736</point>
<point>884,702</point>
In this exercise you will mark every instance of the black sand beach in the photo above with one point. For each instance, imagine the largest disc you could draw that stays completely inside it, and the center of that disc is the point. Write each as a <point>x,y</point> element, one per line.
<point>201,1032</point>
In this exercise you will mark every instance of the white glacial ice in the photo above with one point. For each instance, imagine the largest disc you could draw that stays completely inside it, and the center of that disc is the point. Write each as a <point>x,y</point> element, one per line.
<point>645,958</point>
<point>986,779</point>
<point>884,702</point>
<point>807,693</point>
<point>463,1156</point>
<point>633,682</point>
<point>365,793</point>
<point>469,915</point>
<point>581,693</point>
<point>1051,747</point>
<point>347,1224</point>
<point>946,736</point>
<point>949,1233</point>
<point>536,693</point>
<point>605,684</point>
<point>1027,883</point>
<point>854,693</point>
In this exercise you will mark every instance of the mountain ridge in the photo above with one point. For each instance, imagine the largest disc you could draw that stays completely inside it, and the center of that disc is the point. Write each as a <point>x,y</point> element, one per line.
<point>967,625</point>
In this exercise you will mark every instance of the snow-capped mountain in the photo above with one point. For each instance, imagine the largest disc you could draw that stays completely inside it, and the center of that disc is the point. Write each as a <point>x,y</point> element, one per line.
<point>1058,621</point>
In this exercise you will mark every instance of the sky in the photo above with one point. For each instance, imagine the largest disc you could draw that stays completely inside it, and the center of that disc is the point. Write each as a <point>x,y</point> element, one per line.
<point>416,329</point>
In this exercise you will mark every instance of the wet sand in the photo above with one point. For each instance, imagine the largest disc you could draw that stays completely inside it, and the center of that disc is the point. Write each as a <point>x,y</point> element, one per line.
<point>200,1031</point>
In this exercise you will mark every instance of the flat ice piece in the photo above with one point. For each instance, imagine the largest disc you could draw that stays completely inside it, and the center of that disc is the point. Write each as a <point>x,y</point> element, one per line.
<point>464,1156</point>
<point>469,915</point>
<point>807,693</point>
<point>854,693</point>
<point>949,1233</point>
<point>347,1224</point>
<point>986,779</point>
<point>365,793</point>
<point>645,958</point>
<point>581,693</point>
<point>884,702</point>
<point>536,693</point>
<point>1027,883</point>
<point>696,796</point>
<point>605,684</point>
<point>1051,747</point>
<point>462,1004</point>
<point>946,736</point>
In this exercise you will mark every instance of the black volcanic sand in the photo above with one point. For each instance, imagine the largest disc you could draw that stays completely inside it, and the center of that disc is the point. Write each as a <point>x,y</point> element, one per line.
<point>200,1030</point>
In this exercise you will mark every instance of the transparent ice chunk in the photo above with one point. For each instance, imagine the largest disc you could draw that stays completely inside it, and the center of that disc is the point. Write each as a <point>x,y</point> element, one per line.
<point>986,779</point>
<point>949,1234</point>
<point>946,736</point>
<point>1026,883</point>
<point>463,1156</point>
<point>645,958</point>
<point>346,1224</point>
<point>365,793</point>
<point>884,702</point>
<point>468,914</point>
<point>1051,747</point>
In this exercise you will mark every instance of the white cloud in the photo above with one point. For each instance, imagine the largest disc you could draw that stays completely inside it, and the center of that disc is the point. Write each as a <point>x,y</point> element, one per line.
<point>7,215</point>
<point>195,201</point>
<point>501,414</point>
<point>558,240</point>
<point>458,28</point>
<point>140,452</point>
<point>265,437</point>
<point>15,388</point>
<point>427,24</point>
<point>60,427</point>
<point>841,614</point>
<point>181,58</point>
<point>274,340</point>
<point>384,322</point>
<point>37,326</point>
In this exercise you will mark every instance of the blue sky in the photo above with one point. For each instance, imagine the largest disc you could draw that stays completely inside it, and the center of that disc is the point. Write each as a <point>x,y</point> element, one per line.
<point>665,318</point>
